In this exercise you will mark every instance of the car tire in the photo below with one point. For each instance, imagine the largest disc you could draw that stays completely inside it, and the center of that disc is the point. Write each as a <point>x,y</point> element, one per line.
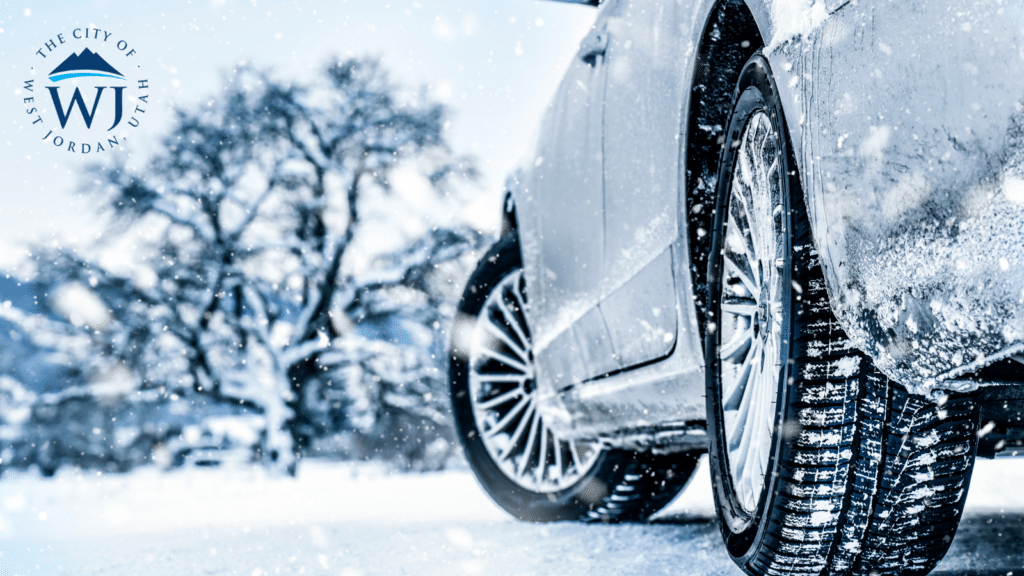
<point>491,356</point>
<point>819,463</point>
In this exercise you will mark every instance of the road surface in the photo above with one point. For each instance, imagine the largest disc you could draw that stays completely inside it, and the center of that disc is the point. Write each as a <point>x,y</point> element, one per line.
<point>345,520</point>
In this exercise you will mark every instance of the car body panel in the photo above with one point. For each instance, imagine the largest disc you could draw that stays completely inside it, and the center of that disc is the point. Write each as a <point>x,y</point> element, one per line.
<point>631,407</point>
<point>563,184</point>
<point>639,315</point>
<point>911,160</point>
<point>918,216</point>
<point>561,201</point>
<point>595,343</point>
<point>648,296</point>
<point>642,101</point>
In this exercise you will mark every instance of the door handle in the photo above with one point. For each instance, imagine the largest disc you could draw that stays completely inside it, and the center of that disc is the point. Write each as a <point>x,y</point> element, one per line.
<point>594,45</point>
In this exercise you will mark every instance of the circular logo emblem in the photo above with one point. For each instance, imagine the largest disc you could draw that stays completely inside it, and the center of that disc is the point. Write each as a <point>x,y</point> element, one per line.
<point>86,93</point>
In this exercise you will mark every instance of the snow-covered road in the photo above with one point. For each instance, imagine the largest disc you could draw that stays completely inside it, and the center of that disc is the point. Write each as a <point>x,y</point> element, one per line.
<point>340,519</point>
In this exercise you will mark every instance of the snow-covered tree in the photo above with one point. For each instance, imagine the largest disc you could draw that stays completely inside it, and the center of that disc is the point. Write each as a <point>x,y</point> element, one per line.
<point>240,289</point>
<point>390,387</point>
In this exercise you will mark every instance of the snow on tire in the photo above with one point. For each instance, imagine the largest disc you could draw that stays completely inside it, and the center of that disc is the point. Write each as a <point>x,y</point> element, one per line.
<point>845,472</point>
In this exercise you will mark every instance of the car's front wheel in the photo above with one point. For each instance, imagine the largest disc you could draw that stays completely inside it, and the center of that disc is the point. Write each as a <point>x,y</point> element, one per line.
<point>524,466</point>
<point>820,464</point>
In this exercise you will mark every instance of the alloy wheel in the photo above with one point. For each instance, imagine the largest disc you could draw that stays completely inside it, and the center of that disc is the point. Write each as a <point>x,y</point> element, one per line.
<point>503,393</point>
<point>753,305</point>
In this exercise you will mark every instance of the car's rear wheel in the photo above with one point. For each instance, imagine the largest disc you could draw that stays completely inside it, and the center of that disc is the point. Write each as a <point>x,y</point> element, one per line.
<point>820,464</point>
<point>521,463</point>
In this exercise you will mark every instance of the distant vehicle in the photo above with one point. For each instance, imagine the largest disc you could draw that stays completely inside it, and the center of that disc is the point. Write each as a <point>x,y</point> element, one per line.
<point>788,233</point>
<point>224,440</point>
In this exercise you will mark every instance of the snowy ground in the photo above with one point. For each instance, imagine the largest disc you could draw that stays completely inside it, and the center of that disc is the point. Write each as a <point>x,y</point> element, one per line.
<point>358,520</point>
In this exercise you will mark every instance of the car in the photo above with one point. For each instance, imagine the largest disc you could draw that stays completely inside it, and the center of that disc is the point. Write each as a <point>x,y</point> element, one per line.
<point>232,440</point>
<point>787,233</point>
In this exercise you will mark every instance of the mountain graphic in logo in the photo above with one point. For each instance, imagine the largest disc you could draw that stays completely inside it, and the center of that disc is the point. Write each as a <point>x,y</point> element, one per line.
<point>88,63</point>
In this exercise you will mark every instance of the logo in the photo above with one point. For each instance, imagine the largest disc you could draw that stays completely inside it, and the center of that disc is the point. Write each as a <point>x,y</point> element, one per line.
<point>86,93</point>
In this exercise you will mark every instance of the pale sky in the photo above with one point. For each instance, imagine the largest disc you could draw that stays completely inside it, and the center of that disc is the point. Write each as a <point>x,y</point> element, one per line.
<point>495,62</point>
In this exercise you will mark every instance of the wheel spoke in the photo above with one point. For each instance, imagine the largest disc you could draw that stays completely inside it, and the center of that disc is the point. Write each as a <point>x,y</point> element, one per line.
<point>757,427</point>
<point>774,166</point>
<point>760,205</point>
<point>557,448</point>
<point>500,399</point>
<point>743,272</point>
<point>739,238</point>
<point>746,424</point>
<point>542,455</point>
<point>512,320</point>
<point>514,347</point>
<point>504,359</point>
<point>739,344</point>
<point>574,455</point>
<point>501,378</point>
<point>508,417</point>
<point>528,450</point>
<point>743,410</point>
<point>739,306</point>
<point>734,390</point>
<point>517,435</point>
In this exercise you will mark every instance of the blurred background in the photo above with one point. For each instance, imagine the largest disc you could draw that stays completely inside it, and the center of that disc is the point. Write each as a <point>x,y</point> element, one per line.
<point>267,272</point>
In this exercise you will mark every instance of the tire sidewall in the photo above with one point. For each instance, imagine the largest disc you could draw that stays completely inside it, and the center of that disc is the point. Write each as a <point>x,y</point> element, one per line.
<point>744,531</point>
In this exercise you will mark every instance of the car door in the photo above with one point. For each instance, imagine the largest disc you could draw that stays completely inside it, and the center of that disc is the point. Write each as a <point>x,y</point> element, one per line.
<point>641,143</point>
<point>561,210</point>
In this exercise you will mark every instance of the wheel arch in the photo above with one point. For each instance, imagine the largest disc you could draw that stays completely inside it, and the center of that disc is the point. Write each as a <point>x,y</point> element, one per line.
<point>732,33</point>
